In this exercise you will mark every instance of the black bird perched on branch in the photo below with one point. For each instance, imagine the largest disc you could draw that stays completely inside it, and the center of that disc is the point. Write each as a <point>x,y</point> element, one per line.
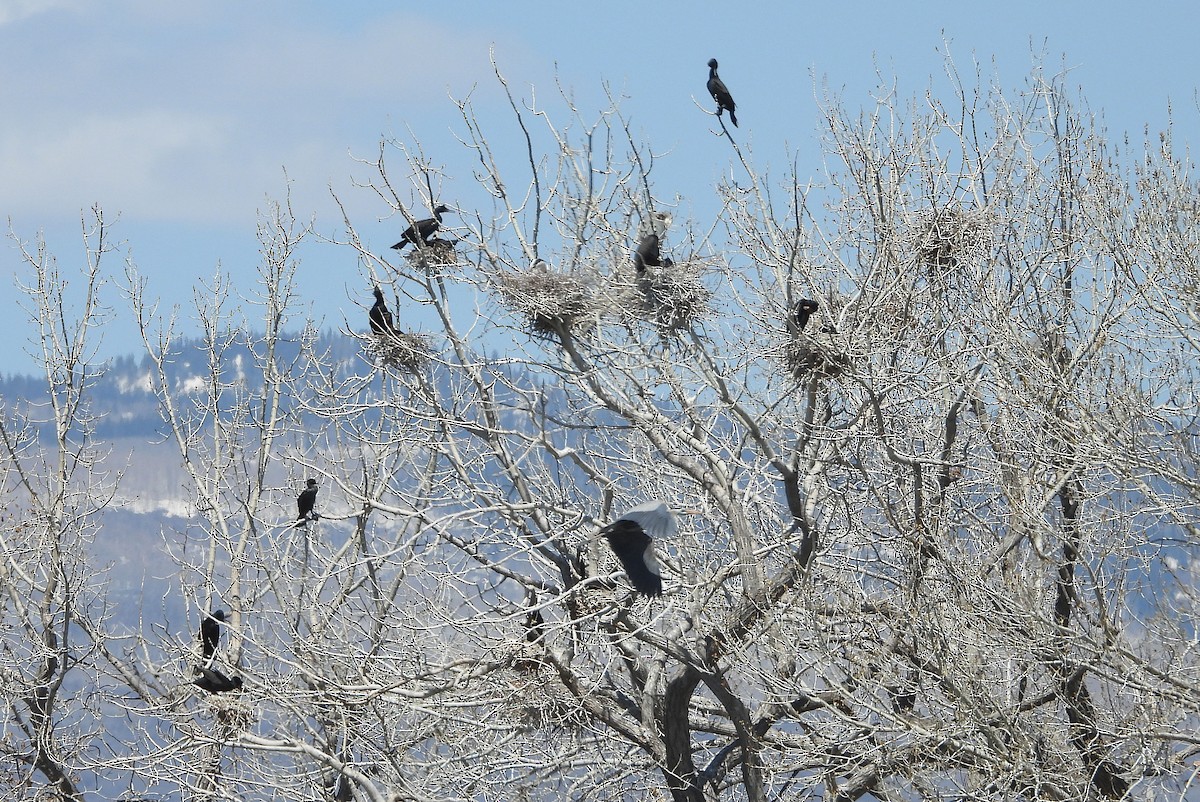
<point>632,540</point>
<point>214,681</point>
<point>720,92</point>
<point>381,316</point>
<point>420,232</point>
<point>647,254</point>
<point>803,310</point>
<point>305,502</point>
<point>210,634</point>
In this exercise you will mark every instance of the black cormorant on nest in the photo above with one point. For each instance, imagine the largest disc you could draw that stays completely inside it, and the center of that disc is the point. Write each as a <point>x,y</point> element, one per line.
<point>382,322</point>
<point>420,231</point>
<point>214,681</point>
<point>803,311</point>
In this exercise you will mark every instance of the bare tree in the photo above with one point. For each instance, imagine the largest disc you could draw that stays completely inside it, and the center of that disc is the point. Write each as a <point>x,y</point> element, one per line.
<point>936,539</point>
<point>922,524</point>
<point>56,481</point>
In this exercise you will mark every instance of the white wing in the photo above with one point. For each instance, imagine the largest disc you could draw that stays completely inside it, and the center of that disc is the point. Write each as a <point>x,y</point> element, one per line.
<point>655,517</point>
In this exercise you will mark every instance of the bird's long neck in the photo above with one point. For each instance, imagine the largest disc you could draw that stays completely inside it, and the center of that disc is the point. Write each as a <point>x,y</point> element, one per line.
<point>712,73</point>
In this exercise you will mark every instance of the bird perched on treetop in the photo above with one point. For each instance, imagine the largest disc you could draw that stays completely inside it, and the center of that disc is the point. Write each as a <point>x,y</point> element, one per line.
<point>420,231</point>
<point>632,540</point>
<point>381,316</point>
<point>720,92</point>
<point>647,254</point>
<point>804,310</point>
<point>210,634</point>
<point>305,502</point>
<point>214,681</point>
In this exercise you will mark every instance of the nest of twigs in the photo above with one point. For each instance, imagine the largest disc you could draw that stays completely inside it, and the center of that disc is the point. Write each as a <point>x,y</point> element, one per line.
<point>433,253</point>
<point>673,295</point>
<point>806,356</point>
<point>232,715</point>
<point>550,302</point>
<point>541,704</point>
<point>402,350</point>
<point>945,237</point>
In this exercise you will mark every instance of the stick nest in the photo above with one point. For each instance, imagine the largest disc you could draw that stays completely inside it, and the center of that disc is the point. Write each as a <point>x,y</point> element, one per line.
<point>232,715</point>
<point>550,302</point>
<point>434,253</point>
<point>673,295</point>
<point>805,355</point>
<point>944,237</point>
<point>402,350</point>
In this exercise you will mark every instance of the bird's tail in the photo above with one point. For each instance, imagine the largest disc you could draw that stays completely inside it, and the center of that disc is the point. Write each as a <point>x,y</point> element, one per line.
<point>733,118</point>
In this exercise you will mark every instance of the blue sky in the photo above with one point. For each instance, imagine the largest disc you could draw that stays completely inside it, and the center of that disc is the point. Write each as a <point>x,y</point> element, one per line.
<point>182,117</point>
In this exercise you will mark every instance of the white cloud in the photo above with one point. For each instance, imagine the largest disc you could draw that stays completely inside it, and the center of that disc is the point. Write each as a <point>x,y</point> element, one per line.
<point>188,120</point>
<point>129,162</point>
<point>13,10</point>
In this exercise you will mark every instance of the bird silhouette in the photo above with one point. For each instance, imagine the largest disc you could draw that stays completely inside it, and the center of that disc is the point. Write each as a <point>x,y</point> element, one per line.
<point>305,503</point>
<point>210,634</point>
<point>720,92</point>
<point>214,681</point>
<point>632,540</point>
<point>381,316</point>
<point>804,310</point>
<point>420,231</point>
<point>647,254</point>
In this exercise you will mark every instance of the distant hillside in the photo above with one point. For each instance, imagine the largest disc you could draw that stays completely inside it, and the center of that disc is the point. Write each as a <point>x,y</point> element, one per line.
<point>121,397</point>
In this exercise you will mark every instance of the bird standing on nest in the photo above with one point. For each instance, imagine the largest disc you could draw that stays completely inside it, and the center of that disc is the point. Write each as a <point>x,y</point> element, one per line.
<point>214,681</point>
<point>804,309</point>
<point>647,254</point>
<point>420,232</point>
<point>381,316</point>
<point>720,92</point>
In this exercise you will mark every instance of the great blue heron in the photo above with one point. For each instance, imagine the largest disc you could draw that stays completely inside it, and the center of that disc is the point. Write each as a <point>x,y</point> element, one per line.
<point>647,254</point>
<point>632,540</point>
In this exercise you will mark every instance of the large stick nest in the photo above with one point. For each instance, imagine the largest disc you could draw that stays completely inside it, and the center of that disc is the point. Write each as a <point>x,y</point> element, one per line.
<point>550,302</point>
<point>945,237</point>
<point>402,350</point>
<point>805,356</point>
<point>674,296</point>
<point>434,253</point>
<point>233,715</point>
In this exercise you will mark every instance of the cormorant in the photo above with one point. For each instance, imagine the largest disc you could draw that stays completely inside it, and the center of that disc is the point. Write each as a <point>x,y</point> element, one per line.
<point>305,502</point>
<point>210,634</point>
<point>214,681</point>
<point>420,231</point>
<point>720,92</point>
<point>647,254</point>
<point>803,310</point>
<point>381,316</point>
<point>632,540</point>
